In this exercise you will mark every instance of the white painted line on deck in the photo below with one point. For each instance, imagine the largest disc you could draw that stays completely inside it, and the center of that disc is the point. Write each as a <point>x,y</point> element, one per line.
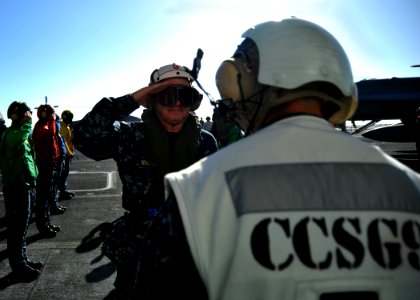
<point>109,181</point>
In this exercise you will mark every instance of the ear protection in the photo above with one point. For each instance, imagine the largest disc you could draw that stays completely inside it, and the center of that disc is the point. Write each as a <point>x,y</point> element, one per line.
<point>235,80</point>
<point>67,116</point>
<point>44,113</point>
<point>14,117</point>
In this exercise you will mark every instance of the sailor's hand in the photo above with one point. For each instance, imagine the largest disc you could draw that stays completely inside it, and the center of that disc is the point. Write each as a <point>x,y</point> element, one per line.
<point>144,95</point>
<point>27,116</point>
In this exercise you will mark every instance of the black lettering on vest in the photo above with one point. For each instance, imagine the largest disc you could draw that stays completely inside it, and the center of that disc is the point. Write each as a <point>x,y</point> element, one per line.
<point>411,237</point>
<point>260,244</point>
<point>286,228</point>
<point>302,246</point>
<point>348,242</point>
<point>376,244</point>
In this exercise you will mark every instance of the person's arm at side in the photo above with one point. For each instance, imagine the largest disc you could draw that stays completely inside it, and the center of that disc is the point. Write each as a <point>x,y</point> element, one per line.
<point>166,266</point>
<point>66,134</point>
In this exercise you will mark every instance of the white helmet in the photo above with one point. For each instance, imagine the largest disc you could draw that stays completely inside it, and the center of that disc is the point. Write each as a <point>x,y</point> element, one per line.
<point>292,53</point>
<point>174,71</point>
<point>170,71</point>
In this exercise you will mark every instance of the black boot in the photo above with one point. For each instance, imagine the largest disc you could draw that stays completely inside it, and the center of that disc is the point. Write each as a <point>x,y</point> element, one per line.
<point>47,232</point>
<point>54,228</point>
<point>66,195</point>
<point>59,210</point>
<point>25,274</point>
<point>35,265</point>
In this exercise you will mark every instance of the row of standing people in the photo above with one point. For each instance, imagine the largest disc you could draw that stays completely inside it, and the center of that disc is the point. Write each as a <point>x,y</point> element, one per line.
<point>34,165</point>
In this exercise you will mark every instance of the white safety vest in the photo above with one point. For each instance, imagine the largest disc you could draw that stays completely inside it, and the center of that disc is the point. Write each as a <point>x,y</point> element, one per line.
<point>300,210</point>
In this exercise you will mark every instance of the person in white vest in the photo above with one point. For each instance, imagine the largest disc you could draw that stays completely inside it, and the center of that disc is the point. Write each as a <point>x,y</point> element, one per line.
<point>297,209</point>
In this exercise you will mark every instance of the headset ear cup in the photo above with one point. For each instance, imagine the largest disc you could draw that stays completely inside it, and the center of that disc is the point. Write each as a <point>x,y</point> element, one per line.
<point>195,106</point>
<point>154,77</point>
<point>44,115</point>
<point>227,77</point>
<point>14,117</point>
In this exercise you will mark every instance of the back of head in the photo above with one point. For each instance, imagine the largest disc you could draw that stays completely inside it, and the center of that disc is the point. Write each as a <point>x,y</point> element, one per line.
<point>17,110</point>
<point>45,111</point>
<point>174,71</point>
<point>283,61</point>
<point>67,116</point>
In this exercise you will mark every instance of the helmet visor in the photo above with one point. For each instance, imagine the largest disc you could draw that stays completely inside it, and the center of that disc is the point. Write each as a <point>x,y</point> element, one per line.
<point>186,95</point>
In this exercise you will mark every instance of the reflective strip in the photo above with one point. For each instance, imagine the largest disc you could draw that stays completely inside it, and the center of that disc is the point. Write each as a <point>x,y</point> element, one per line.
<point>322,186</point>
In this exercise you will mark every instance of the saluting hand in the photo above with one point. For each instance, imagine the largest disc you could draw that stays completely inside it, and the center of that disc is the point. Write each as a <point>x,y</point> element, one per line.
<point>143,95</point>
<point>27,116</point>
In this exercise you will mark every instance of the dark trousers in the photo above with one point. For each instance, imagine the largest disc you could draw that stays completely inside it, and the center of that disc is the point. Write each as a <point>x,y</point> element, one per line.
<point>120,246</point>
<point>45,194</point>
<point>57,170</point>
<point>17,201</point>
<point>62,182</point>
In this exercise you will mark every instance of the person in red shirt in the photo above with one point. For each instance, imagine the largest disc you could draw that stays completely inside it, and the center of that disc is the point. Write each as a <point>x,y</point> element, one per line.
<point>47,156</point>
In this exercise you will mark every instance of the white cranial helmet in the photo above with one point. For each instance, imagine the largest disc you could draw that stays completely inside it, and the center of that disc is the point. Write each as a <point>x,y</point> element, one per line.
<point>170,71</point>
<point>293,53</point>
<point>173,71</point>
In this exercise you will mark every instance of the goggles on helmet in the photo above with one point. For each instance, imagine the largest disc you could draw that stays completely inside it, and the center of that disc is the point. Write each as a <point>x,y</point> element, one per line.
<point>188,96</point>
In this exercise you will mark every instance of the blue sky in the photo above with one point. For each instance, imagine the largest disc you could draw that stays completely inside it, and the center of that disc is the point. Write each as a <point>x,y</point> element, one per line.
<point>77,51</point>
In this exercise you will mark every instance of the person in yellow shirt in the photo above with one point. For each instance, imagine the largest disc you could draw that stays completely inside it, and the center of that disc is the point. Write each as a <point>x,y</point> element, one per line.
<point>66,133</point>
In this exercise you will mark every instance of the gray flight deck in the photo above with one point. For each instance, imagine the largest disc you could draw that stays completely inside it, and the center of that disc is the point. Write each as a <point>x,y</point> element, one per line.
<point>73,265</point>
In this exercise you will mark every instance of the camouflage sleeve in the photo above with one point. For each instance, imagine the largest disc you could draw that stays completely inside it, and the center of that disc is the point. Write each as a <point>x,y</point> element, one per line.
<point>97,134</point>
<point>164,254</point>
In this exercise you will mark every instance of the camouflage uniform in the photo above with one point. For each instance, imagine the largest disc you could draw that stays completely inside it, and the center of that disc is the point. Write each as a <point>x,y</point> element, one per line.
<point>158,276</point>
<point>103,134</point>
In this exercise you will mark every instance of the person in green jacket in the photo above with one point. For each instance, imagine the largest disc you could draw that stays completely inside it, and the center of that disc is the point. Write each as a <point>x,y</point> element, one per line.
<point>19,173</point>
<point>2,125</point>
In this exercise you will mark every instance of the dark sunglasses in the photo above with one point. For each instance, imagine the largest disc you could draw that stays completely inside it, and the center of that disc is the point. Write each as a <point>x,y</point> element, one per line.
<point>188,96</point>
